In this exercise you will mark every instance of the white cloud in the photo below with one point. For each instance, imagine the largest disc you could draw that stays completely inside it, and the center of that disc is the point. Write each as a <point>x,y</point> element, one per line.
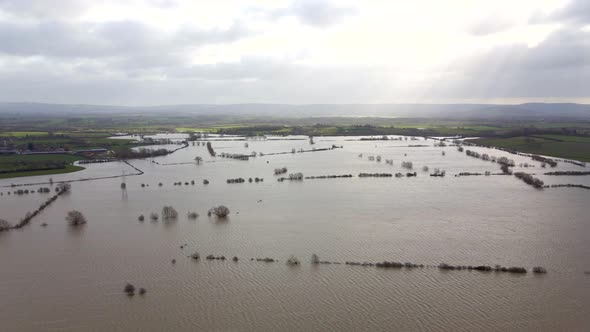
<point>296,51</point>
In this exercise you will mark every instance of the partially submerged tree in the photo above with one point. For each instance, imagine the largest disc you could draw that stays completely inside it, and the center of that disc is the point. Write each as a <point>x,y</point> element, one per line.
<point>63,187</point>
<point>168,212</point>
<point>220,211</point>
<point>129,289</point>
<point>75,218</point>
<point>4,225</point>
<point>407,164</point>
<point>315,259</point>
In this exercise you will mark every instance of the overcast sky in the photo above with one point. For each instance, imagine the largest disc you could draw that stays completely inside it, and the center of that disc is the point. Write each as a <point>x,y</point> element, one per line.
<point>154,52</point>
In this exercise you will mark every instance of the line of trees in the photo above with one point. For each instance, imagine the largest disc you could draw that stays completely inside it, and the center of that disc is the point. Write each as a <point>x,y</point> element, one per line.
<point>210,149</point>
<point>141,153</point>
<point>530,180</point>
<point>544,160</point>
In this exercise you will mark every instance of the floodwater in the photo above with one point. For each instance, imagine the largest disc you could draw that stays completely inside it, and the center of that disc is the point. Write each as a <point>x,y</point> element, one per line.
<point>57,278</point>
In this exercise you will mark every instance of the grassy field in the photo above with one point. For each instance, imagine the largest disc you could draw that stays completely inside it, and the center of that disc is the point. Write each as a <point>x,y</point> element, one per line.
<point>67,169</point>
<point>29,165</point>
<point>23,133</point>
<point>14,159</point>
<point>562,146</point>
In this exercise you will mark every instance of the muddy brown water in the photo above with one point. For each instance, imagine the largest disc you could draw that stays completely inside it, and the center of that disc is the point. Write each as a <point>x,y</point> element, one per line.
<point>59,278</point>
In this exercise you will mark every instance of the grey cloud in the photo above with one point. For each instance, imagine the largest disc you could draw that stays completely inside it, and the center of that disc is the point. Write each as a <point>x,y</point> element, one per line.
<point>557,67</point>
<point>44,8</point>
<point>576,12</point>
<point>319,13</point>
<point>253,80</point>
<point>109,39</point>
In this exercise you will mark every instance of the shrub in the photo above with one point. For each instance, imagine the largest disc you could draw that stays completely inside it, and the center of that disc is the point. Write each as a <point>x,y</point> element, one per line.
<point>154,216</point>
<point>192,215</point>
<point>75,218</point>
<point>141,217</point>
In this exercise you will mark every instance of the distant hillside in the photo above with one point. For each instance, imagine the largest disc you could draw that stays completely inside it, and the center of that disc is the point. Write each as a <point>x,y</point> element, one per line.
<point>463,111</point>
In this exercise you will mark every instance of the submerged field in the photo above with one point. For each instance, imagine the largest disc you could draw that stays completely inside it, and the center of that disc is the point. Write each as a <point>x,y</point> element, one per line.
<point>58,277</point>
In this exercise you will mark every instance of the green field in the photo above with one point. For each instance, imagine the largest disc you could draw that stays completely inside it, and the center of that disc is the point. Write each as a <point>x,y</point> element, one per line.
<point>13,159</point>
<point>23,133</point>
<point>67,169</point>
<point>29,165</point>
<point>562,146</point>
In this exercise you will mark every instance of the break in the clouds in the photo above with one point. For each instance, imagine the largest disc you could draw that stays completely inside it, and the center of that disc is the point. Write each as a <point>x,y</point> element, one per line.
<point>139,52</point>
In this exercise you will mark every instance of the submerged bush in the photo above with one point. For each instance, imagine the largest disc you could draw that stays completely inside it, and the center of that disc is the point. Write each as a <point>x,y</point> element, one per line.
<point>192,215</point>
<point>75,218</point>
<point>141,217</point>
<point>293,260</point>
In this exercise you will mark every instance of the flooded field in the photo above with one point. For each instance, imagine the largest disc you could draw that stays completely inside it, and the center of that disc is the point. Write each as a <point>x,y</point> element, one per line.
<point>62,278</point>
